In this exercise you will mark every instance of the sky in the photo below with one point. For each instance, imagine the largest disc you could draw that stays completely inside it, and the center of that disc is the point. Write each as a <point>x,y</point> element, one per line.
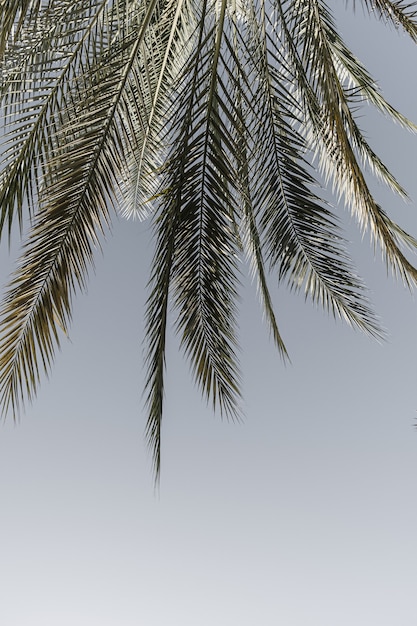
<point>305,514</point>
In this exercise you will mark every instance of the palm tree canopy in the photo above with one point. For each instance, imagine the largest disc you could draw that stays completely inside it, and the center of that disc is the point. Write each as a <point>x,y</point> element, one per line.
<point>221,121</point>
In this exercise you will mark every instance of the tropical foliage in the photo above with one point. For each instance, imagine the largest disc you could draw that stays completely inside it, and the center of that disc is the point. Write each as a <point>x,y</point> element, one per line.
<point>218,119</point>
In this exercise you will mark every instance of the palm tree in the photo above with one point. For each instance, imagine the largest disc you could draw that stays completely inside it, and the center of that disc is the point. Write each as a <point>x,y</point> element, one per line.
<point>221,120</point>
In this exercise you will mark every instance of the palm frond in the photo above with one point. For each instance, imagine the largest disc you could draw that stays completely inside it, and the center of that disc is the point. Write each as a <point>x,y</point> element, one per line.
<point>332,132</point>
<point>243,81</point>
<point>149,94</point>
<point>13,15</point>
<point>79,185</point>
<point>211,116</point>
<point>37,78</point>
<point>400,13</point>
<point>195,251</point>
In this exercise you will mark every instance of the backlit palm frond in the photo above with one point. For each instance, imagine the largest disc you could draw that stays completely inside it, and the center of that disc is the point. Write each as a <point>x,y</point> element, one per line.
<point>295,229</point>
<point>400,13</point>
<point>13,15</point>
<point>197,247</point>
<point>51,46</point>
<point>302,236</point>
<point>333,134</point>
<point>156,326</point>
<point>356,80</point>
<point>79,185</point>
<point>359,86</point>
<point>148,94</point>
<point>205,266</point>
<point>166,221</point>
<point>240,87</point>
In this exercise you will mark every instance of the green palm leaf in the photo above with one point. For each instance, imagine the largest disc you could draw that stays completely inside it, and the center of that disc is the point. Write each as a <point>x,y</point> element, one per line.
<point>211,117</point>
<point>79,184</point>
<point>399,14</point>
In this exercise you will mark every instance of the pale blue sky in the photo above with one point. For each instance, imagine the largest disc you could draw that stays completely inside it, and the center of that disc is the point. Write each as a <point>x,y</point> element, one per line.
<point>305,515</point>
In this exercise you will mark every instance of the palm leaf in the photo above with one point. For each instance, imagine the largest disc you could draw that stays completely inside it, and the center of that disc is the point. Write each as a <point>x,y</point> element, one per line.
<point>195,250</point>
<point>80,184</point>
<point>210,116</point>
<point>399,14</point>
<point>37,79</point>
<point>330,131</point>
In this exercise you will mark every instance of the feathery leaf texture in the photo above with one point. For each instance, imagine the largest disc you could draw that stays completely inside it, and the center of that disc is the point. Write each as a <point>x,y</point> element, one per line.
<point>217,119</point>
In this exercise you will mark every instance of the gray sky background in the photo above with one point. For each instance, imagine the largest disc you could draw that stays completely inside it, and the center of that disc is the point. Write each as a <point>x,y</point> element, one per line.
<point>304,515</point>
